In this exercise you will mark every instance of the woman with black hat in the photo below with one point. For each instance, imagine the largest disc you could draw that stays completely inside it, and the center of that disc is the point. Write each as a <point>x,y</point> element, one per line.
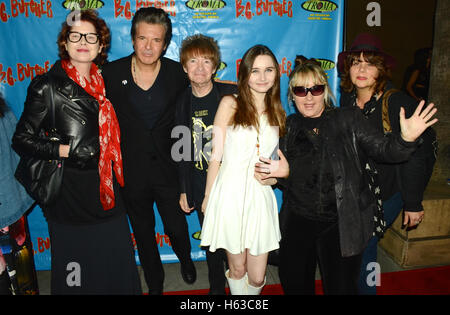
<point>365,82</point>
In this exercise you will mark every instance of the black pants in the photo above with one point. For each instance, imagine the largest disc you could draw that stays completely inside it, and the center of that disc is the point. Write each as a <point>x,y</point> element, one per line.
<point>140,198</point>
<point>306,243</point>
<point>216,262</point>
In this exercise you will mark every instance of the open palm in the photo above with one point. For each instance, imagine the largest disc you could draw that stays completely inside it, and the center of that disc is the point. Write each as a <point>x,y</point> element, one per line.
<point>414,126</point>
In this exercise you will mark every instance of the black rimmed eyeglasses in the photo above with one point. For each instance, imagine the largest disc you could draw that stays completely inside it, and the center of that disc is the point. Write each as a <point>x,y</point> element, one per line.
<point>75,37</point>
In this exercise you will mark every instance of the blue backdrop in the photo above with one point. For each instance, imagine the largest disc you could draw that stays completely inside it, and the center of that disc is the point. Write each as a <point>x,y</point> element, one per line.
<point>29,29</point>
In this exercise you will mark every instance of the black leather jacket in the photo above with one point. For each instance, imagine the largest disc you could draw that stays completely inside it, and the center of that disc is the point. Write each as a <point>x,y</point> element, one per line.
<point>76,117</point>
<point>349,141</point>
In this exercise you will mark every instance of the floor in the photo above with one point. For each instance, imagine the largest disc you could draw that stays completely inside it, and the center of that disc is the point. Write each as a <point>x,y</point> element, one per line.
<point>174,281</point>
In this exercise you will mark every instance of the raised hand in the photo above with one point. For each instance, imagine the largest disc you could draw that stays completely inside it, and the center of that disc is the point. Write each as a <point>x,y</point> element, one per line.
<point>414,126</point>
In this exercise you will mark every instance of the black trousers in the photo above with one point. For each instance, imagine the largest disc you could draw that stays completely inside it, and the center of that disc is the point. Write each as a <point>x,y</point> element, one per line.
<point>216,262</point>
<point>140,195</point>
<point>306,243</point>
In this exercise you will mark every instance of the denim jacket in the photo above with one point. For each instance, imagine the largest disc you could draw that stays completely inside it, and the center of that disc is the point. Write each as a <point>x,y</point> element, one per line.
<point>14,201</point>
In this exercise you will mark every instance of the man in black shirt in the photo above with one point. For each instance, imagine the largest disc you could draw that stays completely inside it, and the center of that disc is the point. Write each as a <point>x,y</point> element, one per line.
<point>196,109</point>
<point>143,89</point>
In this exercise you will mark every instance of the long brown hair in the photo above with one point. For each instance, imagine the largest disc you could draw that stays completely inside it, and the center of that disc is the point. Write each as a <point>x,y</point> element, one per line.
<point>384,73</point>
<point>246,114</point>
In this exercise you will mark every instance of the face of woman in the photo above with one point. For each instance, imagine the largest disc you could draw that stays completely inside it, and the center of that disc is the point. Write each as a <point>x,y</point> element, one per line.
<point>262,75</point>
<point>84,50</point>
<point>310,106</point>
<point>363,74</point>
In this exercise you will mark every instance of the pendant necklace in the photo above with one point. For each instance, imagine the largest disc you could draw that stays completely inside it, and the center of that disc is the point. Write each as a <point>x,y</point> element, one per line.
<point>257,144</point>
<point>133,70</point>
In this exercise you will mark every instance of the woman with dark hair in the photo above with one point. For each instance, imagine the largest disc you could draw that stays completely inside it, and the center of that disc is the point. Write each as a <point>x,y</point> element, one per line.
<point>91,248</point>
<point>241,215</point>
<point>328,209</point>
<point>365,71</point>
<point>417,78</point>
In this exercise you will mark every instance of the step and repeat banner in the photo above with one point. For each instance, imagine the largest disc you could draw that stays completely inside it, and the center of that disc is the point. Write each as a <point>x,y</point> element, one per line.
<point>29,29</point>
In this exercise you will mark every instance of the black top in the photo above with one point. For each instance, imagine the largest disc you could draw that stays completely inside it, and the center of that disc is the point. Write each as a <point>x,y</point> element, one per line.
<point>408,177</point>
<point>387,173</point>
<point>136,137</point>
<point>148,104</point>
<point>203,111</point>
<point>348,140</point>
<point>186,110</point>
<point>311,179</point>
<point>76,117</point>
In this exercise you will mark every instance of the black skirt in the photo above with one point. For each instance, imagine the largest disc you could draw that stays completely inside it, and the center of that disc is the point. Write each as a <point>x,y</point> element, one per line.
<point>93,259</point>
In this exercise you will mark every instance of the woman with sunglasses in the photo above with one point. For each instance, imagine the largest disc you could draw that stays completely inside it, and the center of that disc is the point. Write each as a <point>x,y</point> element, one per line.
<point>91,247</point>
<point>328,208</point>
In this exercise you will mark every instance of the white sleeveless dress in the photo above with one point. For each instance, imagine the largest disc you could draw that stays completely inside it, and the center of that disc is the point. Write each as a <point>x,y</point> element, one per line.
<point>241,213</point>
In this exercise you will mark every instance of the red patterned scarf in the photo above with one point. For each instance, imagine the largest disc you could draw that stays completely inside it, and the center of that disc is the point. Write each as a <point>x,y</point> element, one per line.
<point>109,132</point>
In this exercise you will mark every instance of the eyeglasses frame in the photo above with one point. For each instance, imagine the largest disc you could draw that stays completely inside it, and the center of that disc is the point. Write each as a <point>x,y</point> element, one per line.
<point>83,35</point>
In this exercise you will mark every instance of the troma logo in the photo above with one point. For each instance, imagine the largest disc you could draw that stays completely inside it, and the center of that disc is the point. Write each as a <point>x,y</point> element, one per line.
<point>319,6</point>
<point>326,64</point>
<point>83,4</point>
<point>205,4</point>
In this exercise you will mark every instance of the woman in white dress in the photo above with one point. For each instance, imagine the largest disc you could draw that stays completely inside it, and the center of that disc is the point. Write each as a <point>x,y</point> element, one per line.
<point>241,214</point>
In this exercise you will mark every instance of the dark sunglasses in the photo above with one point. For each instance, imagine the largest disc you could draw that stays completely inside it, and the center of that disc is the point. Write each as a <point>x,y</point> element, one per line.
<point>302,91</point>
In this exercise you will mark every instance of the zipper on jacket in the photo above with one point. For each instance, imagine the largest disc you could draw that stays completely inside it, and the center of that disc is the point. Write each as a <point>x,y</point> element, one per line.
<point>74,115</point>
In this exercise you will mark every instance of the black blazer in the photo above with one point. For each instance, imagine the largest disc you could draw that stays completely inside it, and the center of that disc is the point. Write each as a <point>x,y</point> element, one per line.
<point>135,137</point>
<point>184,118</point>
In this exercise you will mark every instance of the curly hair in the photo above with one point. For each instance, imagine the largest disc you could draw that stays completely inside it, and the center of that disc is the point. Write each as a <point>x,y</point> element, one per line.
<point>384,72</point>
<point>101,28</point>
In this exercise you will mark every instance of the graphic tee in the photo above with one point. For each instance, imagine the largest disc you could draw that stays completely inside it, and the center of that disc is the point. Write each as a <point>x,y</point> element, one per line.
<point>203,111</point>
